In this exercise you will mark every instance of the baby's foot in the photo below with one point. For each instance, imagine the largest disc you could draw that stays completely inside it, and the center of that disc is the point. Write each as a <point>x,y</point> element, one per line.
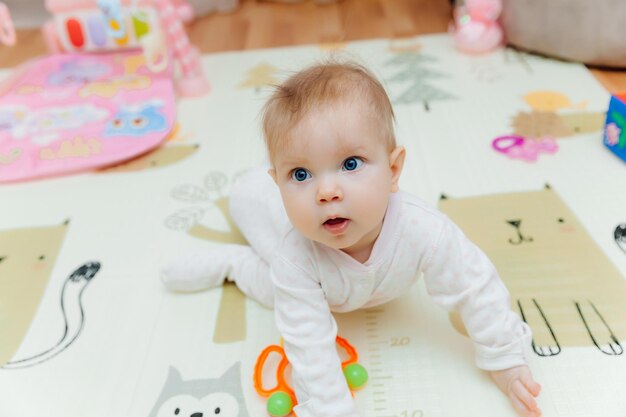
<point>202,270</point>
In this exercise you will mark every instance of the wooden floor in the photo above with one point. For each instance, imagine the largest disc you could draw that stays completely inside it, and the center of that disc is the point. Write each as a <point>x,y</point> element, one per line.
<point>264,24</point>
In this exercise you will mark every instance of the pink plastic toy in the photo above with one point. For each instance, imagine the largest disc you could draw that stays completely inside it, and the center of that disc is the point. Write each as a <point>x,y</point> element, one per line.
<point>112,25</point>
<point>519,147</point>
<point>67,113</point>
<point>106,94</point>
<point>7,31</point>
<point>476,29</point>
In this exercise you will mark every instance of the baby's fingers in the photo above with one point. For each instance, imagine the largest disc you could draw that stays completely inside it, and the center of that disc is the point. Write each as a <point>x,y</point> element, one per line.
<point>530,383</point>
<point>520,407</point>
<point>523,400</point>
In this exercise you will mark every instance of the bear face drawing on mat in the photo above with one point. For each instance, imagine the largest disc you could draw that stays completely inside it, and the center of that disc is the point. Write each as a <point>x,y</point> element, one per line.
<point>561,282</point>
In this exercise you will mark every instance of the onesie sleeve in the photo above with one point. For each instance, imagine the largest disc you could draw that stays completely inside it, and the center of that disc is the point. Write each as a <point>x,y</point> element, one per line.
<point>308,328</point>
<point>459,276</point>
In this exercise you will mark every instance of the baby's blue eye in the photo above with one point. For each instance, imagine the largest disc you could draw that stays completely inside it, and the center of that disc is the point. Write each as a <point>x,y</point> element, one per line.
<point>300,174</point>
<point>352,163</point>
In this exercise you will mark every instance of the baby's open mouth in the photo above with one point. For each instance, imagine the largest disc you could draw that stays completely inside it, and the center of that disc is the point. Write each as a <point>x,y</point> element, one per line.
<point>337,225</point>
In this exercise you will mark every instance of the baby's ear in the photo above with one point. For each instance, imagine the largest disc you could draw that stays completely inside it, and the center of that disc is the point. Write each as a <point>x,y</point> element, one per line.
<point>396,163</point>
<point>272,173</point>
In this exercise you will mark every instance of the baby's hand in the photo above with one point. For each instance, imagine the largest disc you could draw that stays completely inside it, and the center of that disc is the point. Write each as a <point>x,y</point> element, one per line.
<point>518,384</point>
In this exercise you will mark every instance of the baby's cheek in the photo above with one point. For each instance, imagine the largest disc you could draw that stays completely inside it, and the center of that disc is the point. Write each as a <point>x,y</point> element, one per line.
<point>297,212</point>
<point>371,204</point>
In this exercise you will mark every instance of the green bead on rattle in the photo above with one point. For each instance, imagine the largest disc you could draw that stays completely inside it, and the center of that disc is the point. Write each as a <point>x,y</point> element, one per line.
<point>279,404</point>
<point>356,375</point>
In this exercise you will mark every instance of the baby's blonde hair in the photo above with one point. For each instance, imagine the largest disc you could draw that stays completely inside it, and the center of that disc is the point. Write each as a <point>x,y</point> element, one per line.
<point>323,84</point>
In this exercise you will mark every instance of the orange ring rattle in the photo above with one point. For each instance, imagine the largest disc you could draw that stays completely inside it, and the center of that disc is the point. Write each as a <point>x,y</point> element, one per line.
<point>281,398</point>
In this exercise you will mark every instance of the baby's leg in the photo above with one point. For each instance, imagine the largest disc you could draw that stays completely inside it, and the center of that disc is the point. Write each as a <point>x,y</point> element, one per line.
<point>209,268</point>
<point>256,208</point>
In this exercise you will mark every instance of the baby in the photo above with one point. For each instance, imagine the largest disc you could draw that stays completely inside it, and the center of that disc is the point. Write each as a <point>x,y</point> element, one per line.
<point>332,232</point>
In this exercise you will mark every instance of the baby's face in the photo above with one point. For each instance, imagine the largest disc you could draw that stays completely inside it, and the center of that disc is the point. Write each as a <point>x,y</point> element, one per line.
<point>335,178</point>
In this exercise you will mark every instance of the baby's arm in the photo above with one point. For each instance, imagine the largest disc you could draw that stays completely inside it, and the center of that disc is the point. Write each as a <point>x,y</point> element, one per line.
<point>459,276</point>
<point>518,384</point>
<point>309,331</point>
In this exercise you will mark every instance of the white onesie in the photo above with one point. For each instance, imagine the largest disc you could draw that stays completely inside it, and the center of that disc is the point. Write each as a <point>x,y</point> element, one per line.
<point>311,280</point>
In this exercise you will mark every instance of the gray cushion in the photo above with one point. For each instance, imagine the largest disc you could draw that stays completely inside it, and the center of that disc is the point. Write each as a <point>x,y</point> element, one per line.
<point>589,31</point>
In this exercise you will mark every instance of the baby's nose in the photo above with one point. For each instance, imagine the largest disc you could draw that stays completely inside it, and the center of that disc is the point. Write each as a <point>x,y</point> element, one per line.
<point>329,191</point>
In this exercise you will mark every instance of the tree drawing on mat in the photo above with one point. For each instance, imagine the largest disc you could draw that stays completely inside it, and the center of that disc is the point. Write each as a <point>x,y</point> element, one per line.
<point>204,198</point>
<point>260,76</point>
<point>231,320</point>
<point>415,79</point>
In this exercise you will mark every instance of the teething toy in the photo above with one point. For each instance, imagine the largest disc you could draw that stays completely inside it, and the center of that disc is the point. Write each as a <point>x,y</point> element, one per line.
<point>281,398</point>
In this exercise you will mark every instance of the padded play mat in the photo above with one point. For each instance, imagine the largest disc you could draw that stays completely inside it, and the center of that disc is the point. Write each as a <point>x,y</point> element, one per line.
<point>87,328</point>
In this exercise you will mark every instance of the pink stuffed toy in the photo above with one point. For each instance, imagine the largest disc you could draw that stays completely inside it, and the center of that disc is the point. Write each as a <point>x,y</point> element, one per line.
<point>476,28</point>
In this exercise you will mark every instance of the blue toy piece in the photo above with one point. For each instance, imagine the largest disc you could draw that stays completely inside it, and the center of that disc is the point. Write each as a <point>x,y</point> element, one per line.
<point>615,126</point>
<point>112,11</point>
